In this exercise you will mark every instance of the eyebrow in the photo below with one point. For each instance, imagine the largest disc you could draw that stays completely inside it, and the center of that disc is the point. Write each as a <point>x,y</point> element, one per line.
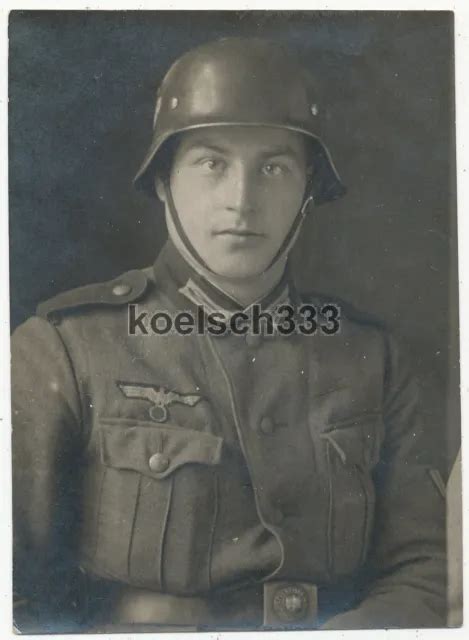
<point>205,145</point>
<point>284,150</point>
<point>279,151</point>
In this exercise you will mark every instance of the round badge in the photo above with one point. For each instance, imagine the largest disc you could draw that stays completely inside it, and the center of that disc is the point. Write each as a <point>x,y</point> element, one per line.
<point>158,414</point>
<point>290,603</point>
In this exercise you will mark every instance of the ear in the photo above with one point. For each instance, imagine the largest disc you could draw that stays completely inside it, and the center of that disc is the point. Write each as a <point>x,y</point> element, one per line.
<point>160,189</point>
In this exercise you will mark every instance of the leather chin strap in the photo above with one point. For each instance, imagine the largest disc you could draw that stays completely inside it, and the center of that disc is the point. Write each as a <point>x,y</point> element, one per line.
<point>179,228</point>
<point>284,249</point>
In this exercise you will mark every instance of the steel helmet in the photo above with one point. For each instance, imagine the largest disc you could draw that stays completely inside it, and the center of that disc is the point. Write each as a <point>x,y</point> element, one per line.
<point>240,81</point>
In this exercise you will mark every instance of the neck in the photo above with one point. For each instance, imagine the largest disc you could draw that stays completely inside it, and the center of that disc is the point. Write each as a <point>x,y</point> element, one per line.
<point>244,291</point>
<point>247,291</point>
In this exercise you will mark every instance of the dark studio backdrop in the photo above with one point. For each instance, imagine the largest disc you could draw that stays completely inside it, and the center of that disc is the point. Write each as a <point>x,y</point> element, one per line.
<point>82,91</point>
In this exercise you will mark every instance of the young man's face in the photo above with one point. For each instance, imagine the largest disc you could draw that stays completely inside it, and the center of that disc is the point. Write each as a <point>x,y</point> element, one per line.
<point>237,191</point>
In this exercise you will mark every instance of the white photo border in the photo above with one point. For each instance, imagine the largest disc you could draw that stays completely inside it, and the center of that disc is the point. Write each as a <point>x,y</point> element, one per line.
<point>461,9</point>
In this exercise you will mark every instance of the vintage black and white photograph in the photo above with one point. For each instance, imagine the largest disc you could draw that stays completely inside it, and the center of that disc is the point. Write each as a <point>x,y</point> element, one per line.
<point>234,312</point>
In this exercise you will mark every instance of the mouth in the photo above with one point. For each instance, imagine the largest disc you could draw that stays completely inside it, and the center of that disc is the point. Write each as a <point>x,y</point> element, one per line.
<point>240,233</point>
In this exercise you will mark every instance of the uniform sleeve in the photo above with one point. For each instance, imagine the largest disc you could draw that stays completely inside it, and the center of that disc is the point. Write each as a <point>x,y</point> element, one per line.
<point>407,561</point>
<point>46,462</point>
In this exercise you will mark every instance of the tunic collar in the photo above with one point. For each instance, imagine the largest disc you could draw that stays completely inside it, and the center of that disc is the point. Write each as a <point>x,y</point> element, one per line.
<point>183,284</point>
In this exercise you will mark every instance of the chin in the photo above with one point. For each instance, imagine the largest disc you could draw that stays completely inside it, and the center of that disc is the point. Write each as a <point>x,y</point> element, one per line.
<point>240,269</point>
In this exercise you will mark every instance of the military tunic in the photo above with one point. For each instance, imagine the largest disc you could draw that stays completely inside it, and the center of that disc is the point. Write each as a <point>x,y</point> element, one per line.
<point>293,460</point>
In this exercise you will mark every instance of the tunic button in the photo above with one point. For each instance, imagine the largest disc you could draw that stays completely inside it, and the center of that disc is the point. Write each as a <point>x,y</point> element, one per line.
<point>252,340</point>
<point>121,289</point>
<point>267,425</point>
<point>158,463</point>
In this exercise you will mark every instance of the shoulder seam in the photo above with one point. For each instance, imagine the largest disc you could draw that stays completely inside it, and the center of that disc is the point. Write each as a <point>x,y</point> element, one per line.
<point>127,287</point>
<point>350,310</point>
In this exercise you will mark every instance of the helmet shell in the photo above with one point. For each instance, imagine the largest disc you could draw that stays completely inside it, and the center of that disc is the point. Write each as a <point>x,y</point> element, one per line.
<point>240,81</point>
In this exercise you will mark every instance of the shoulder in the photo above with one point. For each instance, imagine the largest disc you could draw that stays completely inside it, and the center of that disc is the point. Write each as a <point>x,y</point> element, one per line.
<point>130,286</point>
<point>349,314</point>
<point>73,322</point>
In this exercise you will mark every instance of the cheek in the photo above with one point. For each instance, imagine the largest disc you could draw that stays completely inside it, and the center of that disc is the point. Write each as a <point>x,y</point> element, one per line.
<point>287,190</point>
<point>191,202</point>
<point>283,202</point>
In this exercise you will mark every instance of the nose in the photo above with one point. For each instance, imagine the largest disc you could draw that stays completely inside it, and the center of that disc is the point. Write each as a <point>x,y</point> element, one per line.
<point>240,194</point>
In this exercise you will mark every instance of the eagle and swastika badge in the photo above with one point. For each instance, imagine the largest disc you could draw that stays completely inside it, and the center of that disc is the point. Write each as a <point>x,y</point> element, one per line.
<point>160,397</point>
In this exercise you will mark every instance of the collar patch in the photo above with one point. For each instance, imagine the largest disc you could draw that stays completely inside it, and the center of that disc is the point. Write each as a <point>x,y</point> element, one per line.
<point>193,292</point>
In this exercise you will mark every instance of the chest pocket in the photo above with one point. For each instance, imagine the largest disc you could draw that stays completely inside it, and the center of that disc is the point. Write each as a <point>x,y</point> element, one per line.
<point>352,451</point>
<point>156,497</point>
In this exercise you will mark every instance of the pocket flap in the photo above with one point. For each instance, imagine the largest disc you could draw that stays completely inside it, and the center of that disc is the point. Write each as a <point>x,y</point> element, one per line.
<point>157,451</point>
<point>357,441</point>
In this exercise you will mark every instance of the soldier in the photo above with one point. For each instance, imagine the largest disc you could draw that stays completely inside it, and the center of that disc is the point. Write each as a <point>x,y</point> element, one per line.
<point>203,481</point>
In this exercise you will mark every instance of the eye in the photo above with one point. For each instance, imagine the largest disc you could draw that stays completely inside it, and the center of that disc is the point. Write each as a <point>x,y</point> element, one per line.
<point>273,169</point>
<point>211,165</point>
